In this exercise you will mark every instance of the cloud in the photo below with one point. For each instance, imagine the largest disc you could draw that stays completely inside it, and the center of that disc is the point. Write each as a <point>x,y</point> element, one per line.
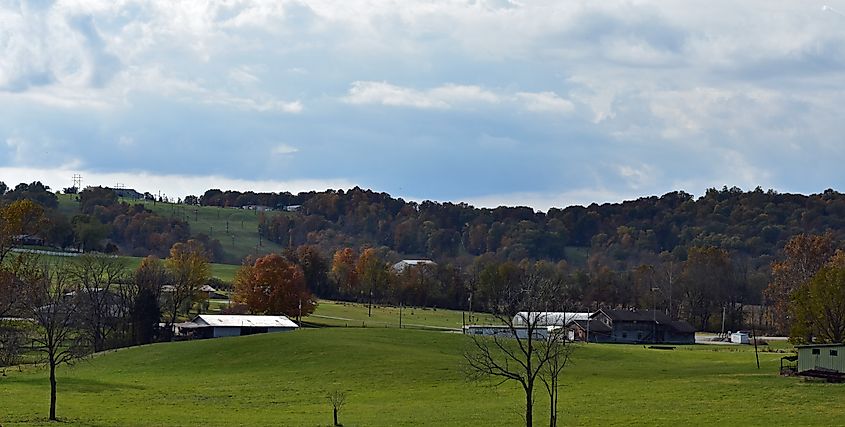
<point>483,99</point>
<point>545,102</point>
<point>451,95</point>
<point>284,150</point>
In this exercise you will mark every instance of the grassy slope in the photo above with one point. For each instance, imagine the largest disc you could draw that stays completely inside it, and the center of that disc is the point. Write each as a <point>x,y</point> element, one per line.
<point>240,241</point>
<point>221,271</point>
<point>243,225</point>
<point>340,313</point>
<point>396,377</point>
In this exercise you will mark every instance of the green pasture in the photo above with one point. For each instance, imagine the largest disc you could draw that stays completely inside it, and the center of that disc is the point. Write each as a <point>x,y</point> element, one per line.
<point>225,272</point>
<point>350,314</point>
<point>236,229</point>
<point>398,377</point>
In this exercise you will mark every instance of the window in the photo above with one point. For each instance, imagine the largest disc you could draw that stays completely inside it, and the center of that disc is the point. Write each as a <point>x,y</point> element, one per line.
<point>816,351</point>
<point>834,352</point>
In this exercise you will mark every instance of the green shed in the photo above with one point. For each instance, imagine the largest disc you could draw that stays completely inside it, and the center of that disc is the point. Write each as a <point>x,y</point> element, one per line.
<point>822,361</point>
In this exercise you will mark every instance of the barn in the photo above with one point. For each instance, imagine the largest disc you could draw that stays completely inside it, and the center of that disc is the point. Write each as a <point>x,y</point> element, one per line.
<point>216,326</point>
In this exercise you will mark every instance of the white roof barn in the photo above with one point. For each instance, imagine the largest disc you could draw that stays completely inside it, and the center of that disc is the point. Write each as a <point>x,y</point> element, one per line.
<point>216,325</point>
<point>548,318</point>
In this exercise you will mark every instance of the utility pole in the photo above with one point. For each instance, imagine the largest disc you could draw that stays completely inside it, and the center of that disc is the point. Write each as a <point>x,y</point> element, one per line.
<point>400,315</point>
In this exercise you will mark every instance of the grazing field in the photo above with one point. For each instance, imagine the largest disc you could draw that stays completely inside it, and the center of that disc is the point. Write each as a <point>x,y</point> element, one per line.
<point>225,272</point>
<point>408,377</point>
<point>236,229</point>
<point>350,314</point>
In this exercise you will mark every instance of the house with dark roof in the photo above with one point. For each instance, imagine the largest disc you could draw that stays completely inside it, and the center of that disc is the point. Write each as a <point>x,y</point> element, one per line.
<point>632,327</point>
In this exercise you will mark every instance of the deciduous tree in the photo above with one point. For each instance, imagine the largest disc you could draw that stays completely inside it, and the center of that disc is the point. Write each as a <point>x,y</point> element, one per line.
<point>98,279</point>
<point>804,255</point>
<point>819,304</point>
<point>523,351</point>
<point>50,304</point>
<point>188,270</point>
<point>273,285</point>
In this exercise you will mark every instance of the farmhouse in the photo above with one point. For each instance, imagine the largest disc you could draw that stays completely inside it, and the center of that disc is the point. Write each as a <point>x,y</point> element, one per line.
<point>822,361</point>
<point>215,326</point>
<point>633,326</point>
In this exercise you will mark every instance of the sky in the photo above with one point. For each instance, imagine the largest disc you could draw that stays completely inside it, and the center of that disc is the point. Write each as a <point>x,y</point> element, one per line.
<point>489,102</point>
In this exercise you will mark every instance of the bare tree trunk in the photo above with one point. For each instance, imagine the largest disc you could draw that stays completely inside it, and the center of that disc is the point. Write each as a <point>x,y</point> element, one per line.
<point>334,410</point>
<point>52,389</point>
<point>529,408</point>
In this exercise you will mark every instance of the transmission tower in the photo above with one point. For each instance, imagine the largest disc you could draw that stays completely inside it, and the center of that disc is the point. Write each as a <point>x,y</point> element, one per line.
<point>77,181</point>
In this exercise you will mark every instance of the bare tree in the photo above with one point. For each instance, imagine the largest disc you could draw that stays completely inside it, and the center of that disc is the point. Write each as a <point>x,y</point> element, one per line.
<point>337,398</point>
<point>523,350</point>
<point>97,279</point>
<point>51,303</point>
<point>558,350</point>
<point>12,340</point>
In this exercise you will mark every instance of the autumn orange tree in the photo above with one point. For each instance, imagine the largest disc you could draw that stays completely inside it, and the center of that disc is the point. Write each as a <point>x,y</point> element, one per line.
<point>21,217</point>
<point>372,273</point>
<point>273,285</point>
<point>188,270</point>
<point>804,255</point>
<point>343,271</point>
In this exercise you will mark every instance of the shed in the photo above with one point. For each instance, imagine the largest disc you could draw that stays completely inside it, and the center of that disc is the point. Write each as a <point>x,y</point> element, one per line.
<point>822,361</point>
<point>215,326</point>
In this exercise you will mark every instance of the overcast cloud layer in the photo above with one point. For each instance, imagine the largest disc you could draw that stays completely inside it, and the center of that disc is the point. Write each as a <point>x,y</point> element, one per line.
<point>489,102</point>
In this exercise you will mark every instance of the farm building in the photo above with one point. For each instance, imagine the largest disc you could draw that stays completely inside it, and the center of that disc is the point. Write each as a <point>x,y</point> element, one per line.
<point>215,326</point>
<point>822,361</point>
<point>634,326</point>
<point>503,331</point>
<point>548,318</point>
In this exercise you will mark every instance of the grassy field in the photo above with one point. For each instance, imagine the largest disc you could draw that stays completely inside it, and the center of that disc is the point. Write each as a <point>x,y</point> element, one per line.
<point>408,377</point>
<point>225,272</point>
<point>340,313</point>
<point>237,229</point>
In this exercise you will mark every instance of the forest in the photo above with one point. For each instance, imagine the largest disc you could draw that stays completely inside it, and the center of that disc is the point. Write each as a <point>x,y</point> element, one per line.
<point>701,258</point>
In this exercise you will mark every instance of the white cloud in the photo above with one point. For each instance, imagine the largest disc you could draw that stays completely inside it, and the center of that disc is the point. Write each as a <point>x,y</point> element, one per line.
<point>284,150</point>
<point>363,92</point>
<point>546,102</point>
<point>453,96</point>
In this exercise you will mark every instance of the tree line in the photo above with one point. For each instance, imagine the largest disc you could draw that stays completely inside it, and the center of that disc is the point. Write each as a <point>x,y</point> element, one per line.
<point>103,223</point>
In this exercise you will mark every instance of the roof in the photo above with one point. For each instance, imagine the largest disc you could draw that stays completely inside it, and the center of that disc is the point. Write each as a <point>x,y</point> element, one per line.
<point>594,325</point>
<point>649,316</point>
<point>232,320</point>
<point>637,315</point>
<point>546,318</point>
<point>820,345</point>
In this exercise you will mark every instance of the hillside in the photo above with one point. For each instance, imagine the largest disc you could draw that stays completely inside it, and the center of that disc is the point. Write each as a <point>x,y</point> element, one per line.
<point>396,377</point>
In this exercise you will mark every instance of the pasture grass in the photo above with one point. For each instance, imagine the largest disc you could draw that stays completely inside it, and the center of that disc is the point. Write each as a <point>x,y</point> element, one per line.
<point>409,377</point>
<point>351,314</point>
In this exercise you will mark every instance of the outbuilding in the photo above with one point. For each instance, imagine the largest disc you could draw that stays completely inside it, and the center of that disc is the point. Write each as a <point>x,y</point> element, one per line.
<point>822,361</point>
<point>215,326</point>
